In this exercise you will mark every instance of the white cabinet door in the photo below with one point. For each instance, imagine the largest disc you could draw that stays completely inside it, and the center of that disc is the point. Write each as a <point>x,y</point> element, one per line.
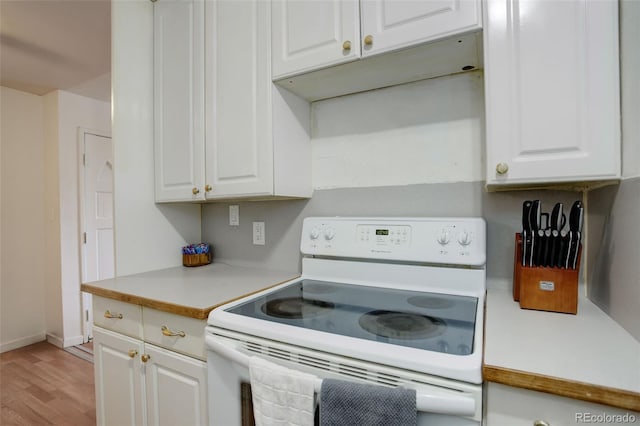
<point>118,380</point>
<point>239,155</point>
<point>176,388</point>
<point>510,406</point>
<point>258,141</point>
<point>309,35</point>
<point>395,24</point>
<point>552,91</point>
<point>178,30</point>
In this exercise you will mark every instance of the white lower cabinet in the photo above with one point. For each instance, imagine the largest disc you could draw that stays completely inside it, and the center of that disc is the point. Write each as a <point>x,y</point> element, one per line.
<point>176,388</point>
<point>138,383</point>
<point>118,378</point>
<point>510,406</point>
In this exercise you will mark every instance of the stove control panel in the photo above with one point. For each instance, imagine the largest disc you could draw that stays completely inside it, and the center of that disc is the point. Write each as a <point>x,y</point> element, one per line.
<point>456,241</point>
<point>383,236</point>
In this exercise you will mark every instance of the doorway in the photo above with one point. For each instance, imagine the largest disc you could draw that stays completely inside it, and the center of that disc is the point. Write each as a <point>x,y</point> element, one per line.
<point>96,215</point>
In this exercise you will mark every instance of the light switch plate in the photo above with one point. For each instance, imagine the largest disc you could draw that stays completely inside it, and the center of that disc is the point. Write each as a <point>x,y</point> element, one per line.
<point>234,215</point>
<point>258,233</point>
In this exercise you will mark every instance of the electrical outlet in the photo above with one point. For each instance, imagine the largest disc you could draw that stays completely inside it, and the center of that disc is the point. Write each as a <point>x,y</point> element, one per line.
<point>234,215</point>
<point>258,233</point>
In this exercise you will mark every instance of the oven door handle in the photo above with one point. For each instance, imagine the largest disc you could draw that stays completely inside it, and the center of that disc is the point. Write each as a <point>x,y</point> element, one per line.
<point>455,405</point>
<point>459,405</point>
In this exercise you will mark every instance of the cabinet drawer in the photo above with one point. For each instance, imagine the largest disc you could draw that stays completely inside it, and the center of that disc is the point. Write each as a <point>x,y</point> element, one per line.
<point>189,332</point>
<point>122,317</point>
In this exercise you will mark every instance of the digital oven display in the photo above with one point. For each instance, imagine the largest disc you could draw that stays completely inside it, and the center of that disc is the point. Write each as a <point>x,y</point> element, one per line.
<point>382,232</point>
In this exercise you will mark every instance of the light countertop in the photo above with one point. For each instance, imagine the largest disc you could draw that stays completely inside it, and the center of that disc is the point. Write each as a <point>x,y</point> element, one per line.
<point>586,356</point>
<point>193,291</point>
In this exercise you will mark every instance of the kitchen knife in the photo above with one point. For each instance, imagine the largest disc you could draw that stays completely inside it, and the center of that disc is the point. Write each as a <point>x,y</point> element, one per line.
<point>556,223</point>
<point>534,226</point>
<point>576,220</point>
<point>555,246</point>
<point>557,220</point>
<point>526,231</point>
<point>546,249</point>
<point>563,248</point>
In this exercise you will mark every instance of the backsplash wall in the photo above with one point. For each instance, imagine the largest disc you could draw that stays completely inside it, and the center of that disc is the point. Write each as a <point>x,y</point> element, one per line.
<point>283,220</point>
<point>613,232</point>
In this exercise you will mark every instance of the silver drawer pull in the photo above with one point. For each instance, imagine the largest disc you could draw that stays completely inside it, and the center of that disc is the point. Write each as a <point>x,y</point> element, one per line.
<point>113,315</point>
<point>169,333</point>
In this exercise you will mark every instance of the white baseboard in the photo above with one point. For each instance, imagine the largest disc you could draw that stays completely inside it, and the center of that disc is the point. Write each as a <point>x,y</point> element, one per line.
<point>23,341</point>
<point>73,341</point>
<point>55,340</point>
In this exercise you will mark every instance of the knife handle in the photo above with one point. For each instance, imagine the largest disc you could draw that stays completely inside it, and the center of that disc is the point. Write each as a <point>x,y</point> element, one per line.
<point>552,250</point>
<point>562,250</point>
<point>546,251</point>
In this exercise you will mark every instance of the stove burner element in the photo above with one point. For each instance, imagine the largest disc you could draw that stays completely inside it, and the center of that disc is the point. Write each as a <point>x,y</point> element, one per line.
<point>401,325</point>
<point>430,302</point>
<point>296,307</point>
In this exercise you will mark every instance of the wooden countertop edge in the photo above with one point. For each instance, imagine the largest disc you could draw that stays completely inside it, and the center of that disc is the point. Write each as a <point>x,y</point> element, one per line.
<point>619,398</point>
<point>172,308</point>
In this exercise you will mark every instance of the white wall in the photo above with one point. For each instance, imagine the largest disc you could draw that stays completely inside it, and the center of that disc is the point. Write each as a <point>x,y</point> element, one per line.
<point>147,236</point>
<point>41,286</point>
<point>68,112</point>
<point>630,86</point>
<point>22,233</point>
<point>429,131</point>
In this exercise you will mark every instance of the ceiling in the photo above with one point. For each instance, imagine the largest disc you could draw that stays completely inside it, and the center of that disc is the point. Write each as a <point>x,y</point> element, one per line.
<point>47,45</point>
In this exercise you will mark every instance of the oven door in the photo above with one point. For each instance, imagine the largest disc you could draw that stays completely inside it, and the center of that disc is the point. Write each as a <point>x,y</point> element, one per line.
<point>440,402</point>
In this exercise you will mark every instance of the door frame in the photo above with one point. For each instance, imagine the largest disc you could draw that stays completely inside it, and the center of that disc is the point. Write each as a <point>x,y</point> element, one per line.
<point>86,310</point>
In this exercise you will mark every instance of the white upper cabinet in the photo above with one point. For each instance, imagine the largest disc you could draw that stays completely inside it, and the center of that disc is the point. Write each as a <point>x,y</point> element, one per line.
<point>395,24</point>
<point>258,136</point>
<point>178,31</point>
<point>222,129</point>
<point>312,34</point>
<point>552,91</point>
<point>327,48</point>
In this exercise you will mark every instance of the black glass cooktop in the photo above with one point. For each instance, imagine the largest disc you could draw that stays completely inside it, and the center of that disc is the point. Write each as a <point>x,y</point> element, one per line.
<point>423,320</point>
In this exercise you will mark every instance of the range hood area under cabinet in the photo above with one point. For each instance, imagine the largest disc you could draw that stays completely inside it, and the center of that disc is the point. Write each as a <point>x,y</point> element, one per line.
<point>223,130</point>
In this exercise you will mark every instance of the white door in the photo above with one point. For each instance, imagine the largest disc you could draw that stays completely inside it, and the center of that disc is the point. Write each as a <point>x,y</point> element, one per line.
<point>97,215</point>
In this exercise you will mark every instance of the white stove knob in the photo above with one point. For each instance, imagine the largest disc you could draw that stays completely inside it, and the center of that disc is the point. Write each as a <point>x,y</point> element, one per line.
<point>464,238</point>
<point>444,238</point>
<point>329,233</point>
<point>315,233</point>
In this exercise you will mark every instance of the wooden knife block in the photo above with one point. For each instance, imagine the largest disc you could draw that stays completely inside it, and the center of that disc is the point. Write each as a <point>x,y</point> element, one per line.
<point>542,288</point>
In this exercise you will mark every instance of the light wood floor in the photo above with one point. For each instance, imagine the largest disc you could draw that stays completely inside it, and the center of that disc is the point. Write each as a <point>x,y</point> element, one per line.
<point>41,384</point>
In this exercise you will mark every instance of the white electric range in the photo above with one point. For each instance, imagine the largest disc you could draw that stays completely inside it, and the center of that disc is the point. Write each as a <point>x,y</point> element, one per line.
<point>390,301</point>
